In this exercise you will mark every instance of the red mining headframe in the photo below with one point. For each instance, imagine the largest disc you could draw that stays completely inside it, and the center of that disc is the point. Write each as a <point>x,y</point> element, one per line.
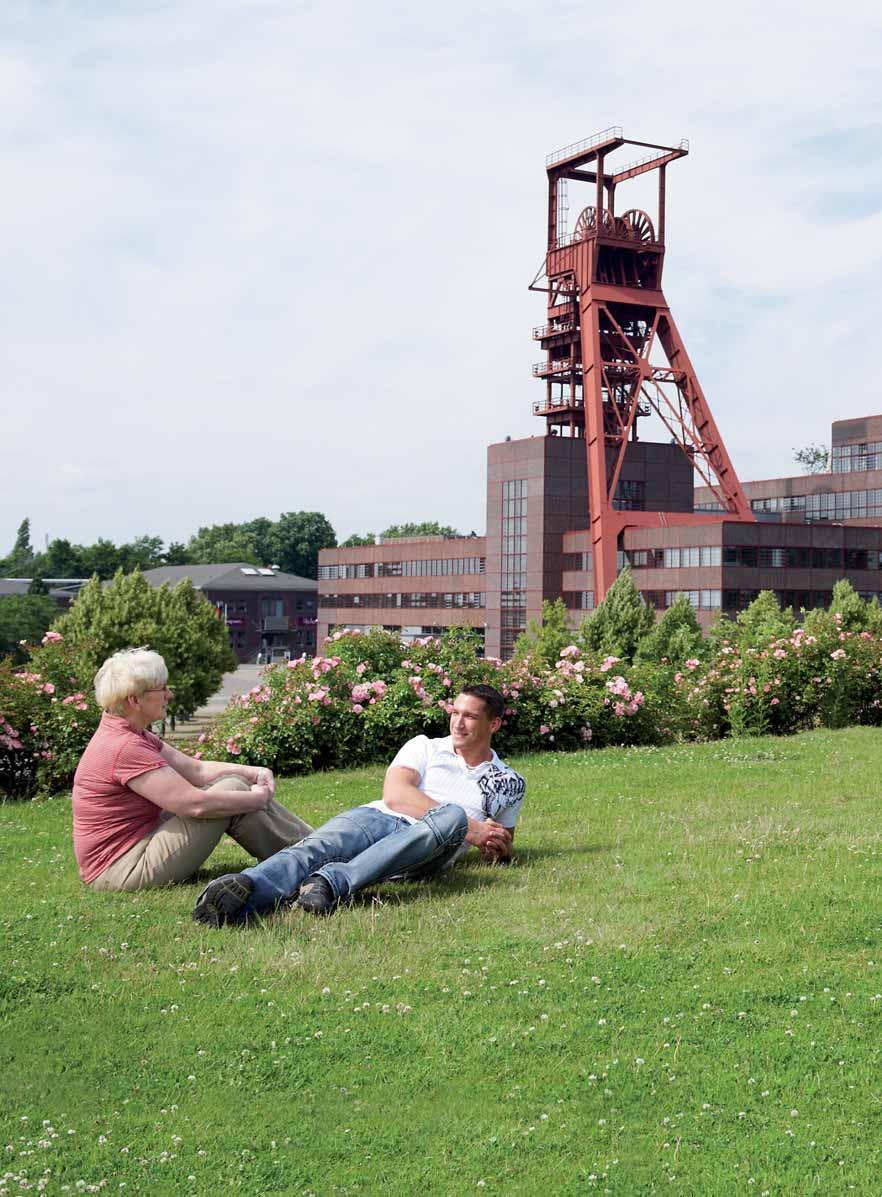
<point>606,314</point>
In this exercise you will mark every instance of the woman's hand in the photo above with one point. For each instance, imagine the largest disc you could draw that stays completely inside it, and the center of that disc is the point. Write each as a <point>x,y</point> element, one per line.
<point>265,792</point>
<point>265,778</point>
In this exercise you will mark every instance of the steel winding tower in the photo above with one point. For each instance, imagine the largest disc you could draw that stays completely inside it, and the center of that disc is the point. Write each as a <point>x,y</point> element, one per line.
<point>606,316</point>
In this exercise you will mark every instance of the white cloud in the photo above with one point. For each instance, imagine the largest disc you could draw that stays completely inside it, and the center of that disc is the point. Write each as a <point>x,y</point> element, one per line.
<point>259,256</point>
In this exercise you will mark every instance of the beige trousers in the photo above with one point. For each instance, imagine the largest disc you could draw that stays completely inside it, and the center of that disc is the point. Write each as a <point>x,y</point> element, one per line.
<point>177,846</point>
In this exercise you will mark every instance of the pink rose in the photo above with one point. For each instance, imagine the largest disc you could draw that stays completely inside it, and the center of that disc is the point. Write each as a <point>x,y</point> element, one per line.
<point>48,688</point>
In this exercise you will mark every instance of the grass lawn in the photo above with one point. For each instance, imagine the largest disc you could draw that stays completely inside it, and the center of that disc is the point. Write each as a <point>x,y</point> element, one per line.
<point>676,988</point>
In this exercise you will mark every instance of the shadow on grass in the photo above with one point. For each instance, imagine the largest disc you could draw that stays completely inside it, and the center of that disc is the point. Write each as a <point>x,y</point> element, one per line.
<point>478,872</point>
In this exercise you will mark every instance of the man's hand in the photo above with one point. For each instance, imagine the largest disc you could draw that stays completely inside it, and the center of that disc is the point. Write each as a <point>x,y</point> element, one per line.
<point>493,841</point>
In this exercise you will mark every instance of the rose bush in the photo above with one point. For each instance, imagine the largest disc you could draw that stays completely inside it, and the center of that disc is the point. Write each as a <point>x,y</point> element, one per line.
<point>47,717</point>
<point>369,693</point>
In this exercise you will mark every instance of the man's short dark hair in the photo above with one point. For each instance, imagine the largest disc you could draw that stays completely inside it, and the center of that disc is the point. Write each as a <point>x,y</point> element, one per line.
<point>489,696</point>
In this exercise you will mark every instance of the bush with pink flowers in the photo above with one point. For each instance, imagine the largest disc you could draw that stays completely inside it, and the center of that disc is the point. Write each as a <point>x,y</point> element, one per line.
<point>47,717</point>
<point>369,693</point>
<point>341,709</point>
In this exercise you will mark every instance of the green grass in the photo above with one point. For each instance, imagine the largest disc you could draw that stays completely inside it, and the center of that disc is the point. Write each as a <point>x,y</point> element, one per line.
<point>676,988</point>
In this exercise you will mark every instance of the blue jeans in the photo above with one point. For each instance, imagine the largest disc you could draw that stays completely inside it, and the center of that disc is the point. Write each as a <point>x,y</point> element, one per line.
<point>361,846</point>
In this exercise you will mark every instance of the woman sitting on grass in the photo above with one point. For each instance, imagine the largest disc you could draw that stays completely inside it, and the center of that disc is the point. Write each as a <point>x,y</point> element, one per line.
<point>145,814</point>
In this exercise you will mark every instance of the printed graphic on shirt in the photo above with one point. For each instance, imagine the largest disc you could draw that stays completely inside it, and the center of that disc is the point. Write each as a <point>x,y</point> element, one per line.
<point>501,789</point>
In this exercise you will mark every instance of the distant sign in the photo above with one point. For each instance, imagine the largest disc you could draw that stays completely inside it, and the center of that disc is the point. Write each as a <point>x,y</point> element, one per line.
<point>235,623</point>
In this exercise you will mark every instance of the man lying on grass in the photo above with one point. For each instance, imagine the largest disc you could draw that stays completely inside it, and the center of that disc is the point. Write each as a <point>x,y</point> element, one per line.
<point>439,798</point>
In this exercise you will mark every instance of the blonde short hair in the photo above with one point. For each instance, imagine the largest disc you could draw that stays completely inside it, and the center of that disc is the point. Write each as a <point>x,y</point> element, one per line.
<point>132,671</point>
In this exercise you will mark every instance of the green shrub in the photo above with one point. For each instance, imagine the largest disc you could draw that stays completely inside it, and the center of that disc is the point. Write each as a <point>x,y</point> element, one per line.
<point>47,717</point>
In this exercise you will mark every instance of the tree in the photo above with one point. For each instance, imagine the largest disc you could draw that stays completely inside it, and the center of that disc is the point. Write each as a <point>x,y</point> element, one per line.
<point>63,560</point>
<point>620,622</point>
<point>356,541</point>
<point>855,614</point>
<point>144,552</point>
<point>176,554</point>
<point>23,617</point>
<point>676,637</point>
<point>763,621</point>
<point>296,539</point>
<point>222,543</point>
<point>102,558</point>
<point>18,563</point>
<point>545,637</point>
<point>814,459</point>
<point>262,532</point>
<point>179,623</point>
<point>426,528</point>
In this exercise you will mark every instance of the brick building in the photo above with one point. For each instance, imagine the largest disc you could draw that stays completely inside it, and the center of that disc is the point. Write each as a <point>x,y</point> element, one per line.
<point>811,531</point>
<point>269,614</point>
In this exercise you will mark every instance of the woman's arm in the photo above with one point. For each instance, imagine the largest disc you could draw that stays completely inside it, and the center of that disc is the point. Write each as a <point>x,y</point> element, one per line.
<point>170,790</point>
<point>203,773</point>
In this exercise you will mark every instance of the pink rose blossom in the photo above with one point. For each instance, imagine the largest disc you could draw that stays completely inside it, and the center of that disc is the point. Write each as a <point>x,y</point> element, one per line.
<point>48,688</point>
<point>52,638</point>
<point>357,708</point>
<point>544,729</point>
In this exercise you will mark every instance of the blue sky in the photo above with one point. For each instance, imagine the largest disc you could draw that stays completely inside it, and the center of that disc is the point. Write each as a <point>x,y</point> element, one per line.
<point>261,256</point>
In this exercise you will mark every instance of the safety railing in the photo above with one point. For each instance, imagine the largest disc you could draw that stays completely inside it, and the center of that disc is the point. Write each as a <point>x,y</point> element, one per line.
<point>621,170</point>
<point>551,330</point>
<point>570,151</point>
<point>559,366</point>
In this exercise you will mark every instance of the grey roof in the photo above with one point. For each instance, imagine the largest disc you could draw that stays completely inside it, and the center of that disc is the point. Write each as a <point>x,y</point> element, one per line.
<point>228,576</point>
<point>22,586</point>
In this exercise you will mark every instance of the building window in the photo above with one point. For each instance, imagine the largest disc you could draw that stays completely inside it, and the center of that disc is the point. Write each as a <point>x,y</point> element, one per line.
<point>630,496</point>
<point>469,599</point>
<point>514,562</point>
<point>271,606</point>
<point>847,459</point>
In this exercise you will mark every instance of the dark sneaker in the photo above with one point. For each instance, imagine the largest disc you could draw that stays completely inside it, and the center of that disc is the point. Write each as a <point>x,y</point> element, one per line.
<point>223,900</point>
<point>316,895</point>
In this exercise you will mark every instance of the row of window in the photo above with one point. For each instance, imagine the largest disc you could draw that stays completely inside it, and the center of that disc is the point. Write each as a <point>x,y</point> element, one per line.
<point>846,459</point>
<point>407,632</point>
<point>750,556</point>
<point>514,562</point>
<point>845,505</point>
<point>684,557</point>
<point>701,600</point>
<point>580,561</point>
<point>435,567</point>
<point>450,599</point>
<point>802,558</point>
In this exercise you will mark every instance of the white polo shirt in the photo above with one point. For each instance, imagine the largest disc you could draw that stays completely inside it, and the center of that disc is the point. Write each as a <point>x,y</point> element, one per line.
<point>490,790</point>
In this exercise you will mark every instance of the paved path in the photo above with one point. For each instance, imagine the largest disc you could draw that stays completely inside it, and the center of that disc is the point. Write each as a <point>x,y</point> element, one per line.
<point>237,682</point>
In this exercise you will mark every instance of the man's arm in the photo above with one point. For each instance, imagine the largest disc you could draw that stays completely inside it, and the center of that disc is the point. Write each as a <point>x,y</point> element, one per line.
<point>203,773</point>
<point>402,794</point>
